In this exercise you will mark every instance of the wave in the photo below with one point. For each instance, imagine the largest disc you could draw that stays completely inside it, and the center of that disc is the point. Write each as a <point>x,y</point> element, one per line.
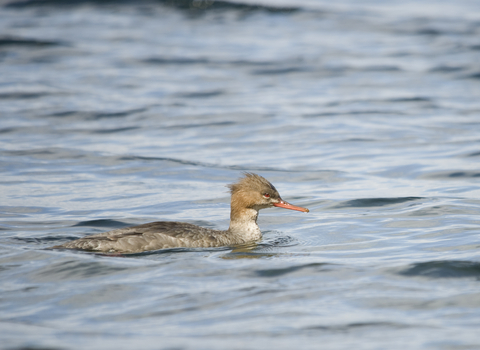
<point>443,269</point>
<point>28,42</point>
<point>195,5</point>
<point>374,202</point>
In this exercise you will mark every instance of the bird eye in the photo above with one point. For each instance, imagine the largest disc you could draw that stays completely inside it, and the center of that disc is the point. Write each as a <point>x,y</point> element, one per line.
<point>266,195</point>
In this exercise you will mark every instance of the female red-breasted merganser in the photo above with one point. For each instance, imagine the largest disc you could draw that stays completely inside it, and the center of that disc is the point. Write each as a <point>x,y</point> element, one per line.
<point>250,194</point>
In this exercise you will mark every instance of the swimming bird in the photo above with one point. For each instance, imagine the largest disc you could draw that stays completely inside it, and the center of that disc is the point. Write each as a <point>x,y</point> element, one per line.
<point>250,194</point>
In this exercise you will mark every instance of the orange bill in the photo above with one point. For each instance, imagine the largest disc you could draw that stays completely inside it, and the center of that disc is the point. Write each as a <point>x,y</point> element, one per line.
<point>286,205</point>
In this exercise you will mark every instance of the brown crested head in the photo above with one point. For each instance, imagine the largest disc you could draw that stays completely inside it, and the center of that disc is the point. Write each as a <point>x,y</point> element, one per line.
<point>253,182</point>
<point>254,191</point>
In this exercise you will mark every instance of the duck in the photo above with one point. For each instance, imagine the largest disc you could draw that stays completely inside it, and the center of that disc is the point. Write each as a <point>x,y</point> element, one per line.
<point>249,194</point>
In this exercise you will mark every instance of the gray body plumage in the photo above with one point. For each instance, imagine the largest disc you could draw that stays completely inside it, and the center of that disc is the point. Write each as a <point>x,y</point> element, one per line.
<point>154,236</point>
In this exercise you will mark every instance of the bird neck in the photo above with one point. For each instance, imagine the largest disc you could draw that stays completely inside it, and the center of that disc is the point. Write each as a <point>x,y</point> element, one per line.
<point>244,221</point>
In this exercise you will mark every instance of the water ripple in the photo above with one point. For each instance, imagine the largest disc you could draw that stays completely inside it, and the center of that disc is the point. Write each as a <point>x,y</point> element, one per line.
<point>443,269</point>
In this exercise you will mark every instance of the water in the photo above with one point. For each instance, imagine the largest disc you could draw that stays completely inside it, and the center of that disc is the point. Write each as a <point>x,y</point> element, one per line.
<point>121,113</point>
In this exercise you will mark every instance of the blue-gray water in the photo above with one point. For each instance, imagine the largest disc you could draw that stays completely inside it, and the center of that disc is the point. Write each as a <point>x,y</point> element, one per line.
<point>121,113</point>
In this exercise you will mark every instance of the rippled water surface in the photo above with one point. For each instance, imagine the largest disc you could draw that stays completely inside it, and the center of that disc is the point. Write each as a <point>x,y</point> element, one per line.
<point>121,113</point>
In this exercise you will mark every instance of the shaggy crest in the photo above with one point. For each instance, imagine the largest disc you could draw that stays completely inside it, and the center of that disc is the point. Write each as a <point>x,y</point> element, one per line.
<point>253,182</point>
